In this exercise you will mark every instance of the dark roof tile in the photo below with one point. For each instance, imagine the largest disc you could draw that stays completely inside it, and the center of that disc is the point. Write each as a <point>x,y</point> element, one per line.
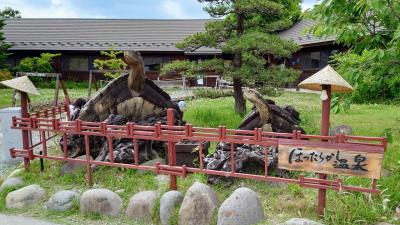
<point>100,34</point>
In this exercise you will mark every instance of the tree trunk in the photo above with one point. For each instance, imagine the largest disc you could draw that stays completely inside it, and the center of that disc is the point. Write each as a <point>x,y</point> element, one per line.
<point>240,102</point>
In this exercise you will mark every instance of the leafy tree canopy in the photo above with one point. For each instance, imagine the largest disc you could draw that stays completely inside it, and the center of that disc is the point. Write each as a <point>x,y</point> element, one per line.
<point>42,64</point>
<point>371,31</point>
<point>8,12</point>
<point>3,46</point>
<point>5,13</point>
<point>247,30</point>
<point>112,63</point>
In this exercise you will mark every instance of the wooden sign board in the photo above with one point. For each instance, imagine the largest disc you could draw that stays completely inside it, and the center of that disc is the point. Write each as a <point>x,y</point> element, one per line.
<point>359,160</point>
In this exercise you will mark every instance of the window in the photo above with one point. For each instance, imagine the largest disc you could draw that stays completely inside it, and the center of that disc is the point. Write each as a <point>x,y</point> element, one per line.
<point>166,59</point>
<point>78,63</point>
<point>152,63</point>
<point>315,59</point>
<point>10,61</point>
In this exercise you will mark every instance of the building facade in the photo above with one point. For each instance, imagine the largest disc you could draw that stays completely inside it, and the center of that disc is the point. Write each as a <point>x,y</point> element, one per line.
<point>80,41</point>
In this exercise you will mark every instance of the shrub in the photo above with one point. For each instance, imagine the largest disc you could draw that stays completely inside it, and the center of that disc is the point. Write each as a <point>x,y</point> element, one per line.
<point>40,64</point>
<point>212,93</point>
<point>270,91</point>
<point>112,63</point>
<point>277,77</point>
<point>5,75</point>
<point>374,80</point>
<point>51,83</point>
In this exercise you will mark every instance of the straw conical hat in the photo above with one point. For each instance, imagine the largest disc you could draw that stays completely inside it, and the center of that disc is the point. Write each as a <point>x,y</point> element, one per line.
<point>326,76</point>
<point>21,84</point>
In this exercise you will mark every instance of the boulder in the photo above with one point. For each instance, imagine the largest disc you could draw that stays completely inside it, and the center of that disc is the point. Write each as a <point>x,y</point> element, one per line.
<point>16,172</point>
<point>120,191</point>
<point>62,200</point>
<point>25,196</point>
<point>168,202</point>
<point>301,221</point>
<point>198,205</point>
<point>241,208</point>
<point>101,201</point>
<point>11,182</point>
<point>141,205</point>
<point>72,167</point>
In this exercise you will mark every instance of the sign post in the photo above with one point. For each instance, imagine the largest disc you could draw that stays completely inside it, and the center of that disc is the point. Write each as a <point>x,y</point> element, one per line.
<point>331,158</point>
<point>325,80</point>
<point>325,122</point>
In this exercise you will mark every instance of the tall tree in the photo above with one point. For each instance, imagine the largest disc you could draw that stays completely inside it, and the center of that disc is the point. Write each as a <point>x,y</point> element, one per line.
<point>3,46</point>
<point>5,13</point>
<point>9,12</point>
<point>371,31</point>
<point>246,30</point>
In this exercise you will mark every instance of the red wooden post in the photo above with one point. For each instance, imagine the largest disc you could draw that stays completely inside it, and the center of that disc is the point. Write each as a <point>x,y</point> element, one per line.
<point>171,149</point>
<point>25,133</point>
<point>89,177</point>
<point>326,107</point>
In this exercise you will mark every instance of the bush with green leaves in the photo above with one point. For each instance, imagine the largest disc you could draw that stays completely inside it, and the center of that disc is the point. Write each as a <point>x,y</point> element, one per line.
<point>184,68</point>
<point>5,75</point>
<point>276,76</point>
<point>371,31</point>
<point>42,64</point>
<point>270,91</point>
<point>112,63</point>
<point>247,30</point>
<point>212,93</point>
<point>372,78</point>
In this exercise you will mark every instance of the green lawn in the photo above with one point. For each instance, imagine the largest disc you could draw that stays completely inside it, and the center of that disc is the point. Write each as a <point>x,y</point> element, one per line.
<point>46,95</point>
<point>280,202</point>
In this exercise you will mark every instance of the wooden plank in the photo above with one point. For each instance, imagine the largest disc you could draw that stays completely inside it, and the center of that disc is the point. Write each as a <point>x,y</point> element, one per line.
<point>331,159</point>
<point>90,84</point>
<point>57,90</point>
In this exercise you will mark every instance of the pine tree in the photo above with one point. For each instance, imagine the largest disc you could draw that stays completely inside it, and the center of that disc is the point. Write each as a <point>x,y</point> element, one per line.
<point>5,13</point>
<point>3,46</point>
<point>247,30</point>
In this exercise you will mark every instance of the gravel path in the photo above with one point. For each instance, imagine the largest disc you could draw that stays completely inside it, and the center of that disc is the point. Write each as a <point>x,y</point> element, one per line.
<point>21,220</point>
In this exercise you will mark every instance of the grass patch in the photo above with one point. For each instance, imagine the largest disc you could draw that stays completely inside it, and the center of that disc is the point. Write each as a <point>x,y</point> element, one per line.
<point>46,94</point>
<point>280,202</point>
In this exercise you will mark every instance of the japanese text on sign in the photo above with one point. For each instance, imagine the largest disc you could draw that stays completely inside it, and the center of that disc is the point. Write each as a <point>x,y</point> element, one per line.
<point>330,161</point>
